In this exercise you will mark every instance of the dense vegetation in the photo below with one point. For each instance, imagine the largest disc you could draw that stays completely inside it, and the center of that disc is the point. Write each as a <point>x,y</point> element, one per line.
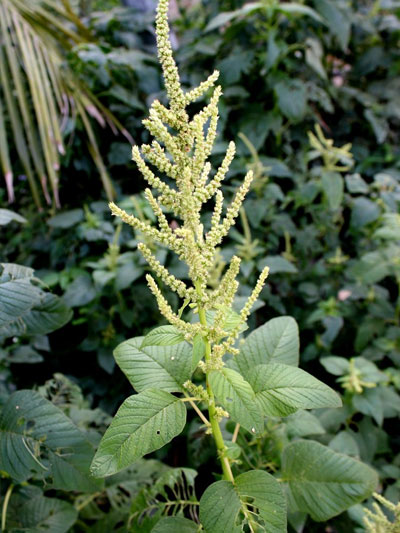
<point>310,96</point>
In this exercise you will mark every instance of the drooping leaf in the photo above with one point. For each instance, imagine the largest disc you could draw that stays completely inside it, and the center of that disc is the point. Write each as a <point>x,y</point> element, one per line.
<point>143,424</point>
<point>163,367</point>
<point>332,185</point>
<point>199,350</point>
<point>282,389</point>
<point>36,437</point>
<point>237,397</point>
<point>163,336</point>
<point>277,341</point>
<point>257,488</point>
<point>322,482</point>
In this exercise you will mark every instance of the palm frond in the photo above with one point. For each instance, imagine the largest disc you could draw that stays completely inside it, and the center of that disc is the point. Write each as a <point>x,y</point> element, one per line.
<point>39,92</point>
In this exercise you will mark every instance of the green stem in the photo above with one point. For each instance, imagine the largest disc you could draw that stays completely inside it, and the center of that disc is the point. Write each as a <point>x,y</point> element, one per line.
<point>5,506</point>
<point>216,430</point>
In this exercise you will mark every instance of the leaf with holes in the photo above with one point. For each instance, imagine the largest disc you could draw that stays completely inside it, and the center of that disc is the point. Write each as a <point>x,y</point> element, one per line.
<point>163,367</point>
<point>282,390</point>
<point>36,437</point>
<point>277,341</point>
<point>322,482</point>
<point>237,397</point>
<point>254,489</point>
<point>143,424</point>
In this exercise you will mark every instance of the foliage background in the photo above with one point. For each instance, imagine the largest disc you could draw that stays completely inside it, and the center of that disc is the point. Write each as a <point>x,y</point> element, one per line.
<point>330,235</point>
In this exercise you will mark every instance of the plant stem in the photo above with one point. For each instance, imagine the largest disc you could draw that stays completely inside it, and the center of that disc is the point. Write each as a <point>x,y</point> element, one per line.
<point>216,430</point>
<point>5,506</point>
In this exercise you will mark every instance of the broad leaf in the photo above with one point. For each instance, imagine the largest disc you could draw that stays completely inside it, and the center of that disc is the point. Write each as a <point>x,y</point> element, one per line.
<point>292,98</point>
<point>257,488</point>
<point>45,515</point>
<point>298,9</point>
<point>143,424</point>
<point>36,437</point>
<point>277,341</point>
<point>163,336</point>
<point>322,482</point>
<point>162,367</point>
<point>173,524</point>
<point>238,398</point>
<point>332,185</point>
<point>282,390</point>
<point>7,216</point>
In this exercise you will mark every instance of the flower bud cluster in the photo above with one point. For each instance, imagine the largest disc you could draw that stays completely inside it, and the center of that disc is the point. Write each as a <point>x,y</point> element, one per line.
<point>180,153</point>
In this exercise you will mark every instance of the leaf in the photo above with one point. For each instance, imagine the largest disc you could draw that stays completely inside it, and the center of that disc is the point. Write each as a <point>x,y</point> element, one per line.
<point>332,185</point>
<point>303,424</point>
<point>223,18</point>
<point>256,487</point>
<point>46,515</point>
<point>174,489</point>
<point>237,396</point>
<point>364,211</point>
<point>298,9</point>
<point>335,365</point>
<point>67,219</point>
<point>282,390</point>
<point>322,482</point>
<point>314,54</point>
<point>25,309</point>
<point>163,336</point>
<point>144,423</point>
<point>7,216</point>
<point>277,341</point>
<point>38,438</point>
<point>173,524</point>
<point>292,98</point>
<point>277,264</point>
<point>163,367</point>
<point>337,20</point>
<point>199,351</point>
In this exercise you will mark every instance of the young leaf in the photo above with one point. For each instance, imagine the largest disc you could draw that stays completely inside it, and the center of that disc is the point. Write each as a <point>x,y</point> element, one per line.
<point>282,389</point>
<point>163,336</point>
<point>143,424</point>
<point>238,398</point>
<point>264,493</point>
<point>322,482</point>
<point>162,367</point>
<point>277,341</point>
<point>31,425</point>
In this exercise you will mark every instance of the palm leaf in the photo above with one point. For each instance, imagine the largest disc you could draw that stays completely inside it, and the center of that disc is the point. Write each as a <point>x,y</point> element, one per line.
<point>39,92</point>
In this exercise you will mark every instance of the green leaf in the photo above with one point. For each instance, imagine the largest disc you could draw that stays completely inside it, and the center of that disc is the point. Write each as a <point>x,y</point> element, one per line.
<point>322,482</point>
<point>332,185</point>
<point>277,264</point>
<point>38,438</point>
<point>143,424</point>
<point>7,216</point>
<point>256,487</point>
<point>337,20</point>
<point>298,9</point>
<point>237,396</point>
<point>173,524</point>
<point>292,98</point>
<point>163,336</point>
<point>303,424</point>
<point>66,219</point>
<point>163,367</point>
<point>282,390</point>
<point>223,18</point>
<point>277,341</point>
<point>232,319</point>
<point>46,515</point>
<point>199,350</point>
